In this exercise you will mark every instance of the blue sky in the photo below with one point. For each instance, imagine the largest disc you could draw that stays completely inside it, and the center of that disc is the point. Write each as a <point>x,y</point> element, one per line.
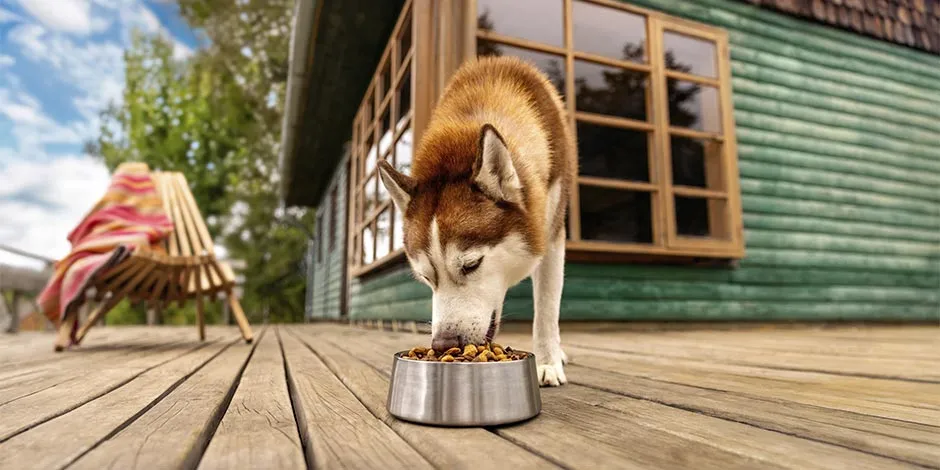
<point>60,64</point>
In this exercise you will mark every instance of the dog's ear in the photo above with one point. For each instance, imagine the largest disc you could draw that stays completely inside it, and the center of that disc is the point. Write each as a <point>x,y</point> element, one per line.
<point>400,187</point>
<point>493,170</point>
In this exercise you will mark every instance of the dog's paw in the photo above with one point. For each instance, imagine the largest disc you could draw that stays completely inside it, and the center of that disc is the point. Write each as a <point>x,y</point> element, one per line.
<point>552,375</point>
<point>564,357</point>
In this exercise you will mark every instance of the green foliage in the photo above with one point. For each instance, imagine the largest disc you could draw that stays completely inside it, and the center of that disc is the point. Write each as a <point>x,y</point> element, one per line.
<point>216,117</point>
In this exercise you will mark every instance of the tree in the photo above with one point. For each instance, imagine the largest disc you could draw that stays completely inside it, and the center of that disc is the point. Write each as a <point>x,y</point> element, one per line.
<point>199,117</point>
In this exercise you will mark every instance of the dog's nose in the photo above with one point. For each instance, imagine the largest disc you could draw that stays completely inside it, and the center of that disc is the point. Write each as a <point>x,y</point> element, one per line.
<point>445,341</point>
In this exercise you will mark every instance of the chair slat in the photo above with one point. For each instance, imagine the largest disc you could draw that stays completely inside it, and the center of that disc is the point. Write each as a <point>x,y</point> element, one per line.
<point>172,244</point>
<point>196,216</point>
<point>189,226</point>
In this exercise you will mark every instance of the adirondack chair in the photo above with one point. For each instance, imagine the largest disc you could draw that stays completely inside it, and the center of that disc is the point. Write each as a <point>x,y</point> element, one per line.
<point>184,269</point>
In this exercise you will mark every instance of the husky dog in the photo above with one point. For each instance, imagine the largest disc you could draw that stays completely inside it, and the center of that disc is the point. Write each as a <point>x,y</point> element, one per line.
<point>485,204</point>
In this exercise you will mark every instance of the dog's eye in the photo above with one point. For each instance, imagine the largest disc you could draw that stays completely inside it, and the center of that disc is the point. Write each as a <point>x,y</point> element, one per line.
<point>471,266</point>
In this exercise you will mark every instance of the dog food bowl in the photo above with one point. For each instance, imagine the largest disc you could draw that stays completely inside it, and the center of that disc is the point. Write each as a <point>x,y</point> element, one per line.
<point>464,393</point>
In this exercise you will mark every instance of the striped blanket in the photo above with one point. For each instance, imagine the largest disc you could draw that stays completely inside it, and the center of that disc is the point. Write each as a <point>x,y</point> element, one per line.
<point>129,217</point>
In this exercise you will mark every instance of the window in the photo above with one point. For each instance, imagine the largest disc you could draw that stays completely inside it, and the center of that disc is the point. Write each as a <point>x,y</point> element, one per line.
<point>333,210</point>
<point>649,99</point>
<point>383,129</point>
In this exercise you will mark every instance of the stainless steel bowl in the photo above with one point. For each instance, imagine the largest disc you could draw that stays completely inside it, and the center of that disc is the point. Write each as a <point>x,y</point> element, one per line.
<point>464,393</point>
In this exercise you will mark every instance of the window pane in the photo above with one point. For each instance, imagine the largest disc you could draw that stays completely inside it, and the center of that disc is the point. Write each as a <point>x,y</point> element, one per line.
<point>404,39</point>
<point>403,152</point>
<point>696,162</point>
<point>369,197</point>
<point>552,65</point>
<point>609,32</point>
<point>382,191</point>
<point>693,106</point>
<point>611,91</point>
<point>385,81</point>
<point>610,152</point>
<point>615,215</point>
<point>404,94</point>
<point>690,55</point>
<point>383,228</point>
<point>368,246</point>
<point>368,106</point>
<point>398,230</point>
<point>385,141</point>
<point>699,217</point>
<point>371,153</point>
<point>535,20</point>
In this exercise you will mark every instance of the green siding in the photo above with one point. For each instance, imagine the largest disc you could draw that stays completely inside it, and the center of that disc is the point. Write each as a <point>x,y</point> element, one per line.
<point>327,273</point>
<point>840,180</point>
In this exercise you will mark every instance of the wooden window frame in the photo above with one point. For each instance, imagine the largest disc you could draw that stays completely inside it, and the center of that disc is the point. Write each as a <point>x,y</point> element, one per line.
<point>667,243</point>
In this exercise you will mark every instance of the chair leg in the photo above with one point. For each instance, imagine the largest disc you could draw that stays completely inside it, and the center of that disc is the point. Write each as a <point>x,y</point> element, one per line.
<point>64,337</point>
<point>201,317</point>
<point>240,317</point>
<point>96,315</point>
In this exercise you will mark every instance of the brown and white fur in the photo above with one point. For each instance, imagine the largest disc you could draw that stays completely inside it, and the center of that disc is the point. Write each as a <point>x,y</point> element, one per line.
<point>485,204</point>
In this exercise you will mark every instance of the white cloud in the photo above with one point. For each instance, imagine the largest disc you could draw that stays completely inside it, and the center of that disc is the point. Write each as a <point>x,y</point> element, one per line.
<point>29,37</point>
<point>6,61</point>
<point>7,16</point>
<point>71,16</point>
<point>42,201</point>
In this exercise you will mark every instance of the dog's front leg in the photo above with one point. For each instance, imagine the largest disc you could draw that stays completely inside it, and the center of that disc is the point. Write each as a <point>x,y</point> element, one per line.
<point>547,281</point>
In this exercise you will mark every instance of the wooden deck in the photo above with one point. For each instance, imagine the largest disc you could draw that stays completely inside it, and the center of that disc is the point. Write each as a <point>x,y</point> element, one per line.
<point>314,396</point>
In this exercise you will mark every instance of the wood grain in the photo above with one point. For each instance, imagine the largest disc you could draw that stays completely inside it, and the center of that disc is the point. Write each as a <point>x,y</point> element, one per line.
<point>258,429</point>
<point>576,406</point>
<point>443,447</point>
<point>336,428</point>
<point>93,381</point>
<point>176,430</point>
<point>56,443</point>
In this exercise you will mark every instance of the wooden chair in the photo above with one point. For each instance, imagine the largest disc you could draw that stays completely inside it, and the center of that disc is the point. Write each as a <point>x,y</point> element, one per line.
<point>183,268</point>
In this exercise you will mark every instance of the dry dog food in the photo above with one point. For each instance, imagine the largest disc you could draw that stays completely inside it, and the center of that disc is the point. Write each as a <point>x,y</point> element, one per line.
<point>489,352</point>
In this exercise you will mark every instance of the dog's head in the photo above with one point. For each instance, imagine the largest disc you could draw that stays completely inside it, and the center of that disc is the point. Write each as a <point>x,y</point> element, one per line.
<point>467,234</point>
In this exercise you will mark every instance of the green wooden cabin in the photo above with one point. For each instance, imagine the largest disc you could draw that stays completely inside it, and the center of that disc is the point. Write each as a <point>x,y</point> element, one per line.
<point>740,160</point>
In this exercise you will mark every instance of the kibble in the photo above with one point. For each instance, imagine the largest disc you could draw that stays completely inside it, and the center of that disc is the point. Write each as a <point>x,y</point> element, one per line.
<point>488,352</point>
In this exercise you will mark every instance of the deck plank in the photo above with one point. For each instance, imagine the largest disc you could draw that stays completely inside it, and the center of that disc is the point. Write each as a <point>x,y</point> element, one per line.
<point>175,431</point>
<point>258,429</point>
<point>338,430</point>
<point>94,380</point>
<point>697,349</point>
<point>718,442</point>
<point>55,443</point>
<point>904,401</point>
<point>443,447</point>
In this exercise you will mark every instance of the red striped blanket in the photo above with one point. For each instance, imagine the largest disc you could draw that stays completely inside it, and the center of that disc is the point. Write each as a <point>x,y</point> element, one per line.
<point>129,217</point>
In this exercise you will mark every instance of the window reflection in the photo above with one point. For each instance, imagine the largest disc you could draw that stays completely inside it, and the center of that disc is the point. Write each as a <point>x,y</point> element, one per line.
<point>403,152</point>
<point>610,91</point>
<point>608,32</point>
<point>515,18</point>
<point>385,128</point>
<point>691,159</point>
<point>690,55</point>
<point>404,94</point>
<point>368,245</point>
<point>610,152</point>
<point>615,215</point>
<point>692,216</point>
<point>693,106</point>
<point>398,229</point>
<point>382,234</point>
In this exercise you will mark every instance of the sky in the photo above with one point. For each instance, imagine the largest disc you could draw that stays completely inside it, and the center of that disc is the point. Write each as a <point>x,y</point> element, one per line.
<point>60,64</point>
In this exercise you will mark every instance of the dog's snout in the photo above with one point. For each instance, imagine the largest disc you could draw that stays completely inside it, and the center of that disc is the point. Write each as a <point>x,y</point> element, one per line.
<point>445,340</point>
